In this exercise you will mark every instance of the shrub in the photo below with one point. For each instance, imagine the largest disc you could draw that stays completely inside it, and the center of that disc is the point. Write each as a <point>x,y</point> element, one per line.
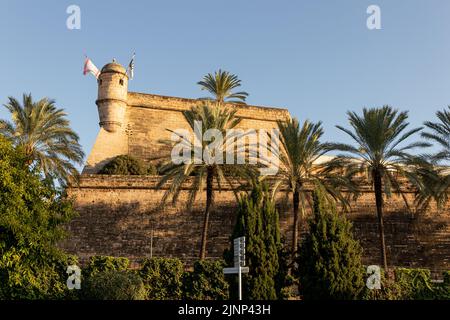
<point>162,278</point>
<point>32,214</point>
<point>113,285</point>
<point>446,275</point>
<point>127,165</point>
<point>444,288</point>
<point>99,264</point>
<point>206,282</point>
<point>415,283</point>
<point>257,220</point>
<point>329,261</point>
<point>286,283</point>
<point>409,284</point>
<point>390,290</point>
<point>151,170</point>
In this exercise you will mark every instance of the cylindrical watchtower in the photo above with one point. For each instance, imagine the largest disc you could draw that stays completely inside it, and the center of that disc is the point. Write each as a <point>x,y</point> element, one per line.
<point>112,96</point>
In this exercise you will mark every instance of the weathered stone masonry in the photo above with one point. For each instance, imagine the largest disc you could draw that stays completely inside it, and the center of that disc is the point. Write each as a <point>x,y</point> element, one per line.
<point>118,213</point>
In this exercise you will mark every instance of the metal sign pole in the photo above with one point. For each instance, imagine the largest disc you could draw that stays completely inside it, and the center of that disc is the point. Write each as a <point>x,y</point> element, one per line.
<point>240,283</point>
<point>239,262</point>
<point>151,244</point>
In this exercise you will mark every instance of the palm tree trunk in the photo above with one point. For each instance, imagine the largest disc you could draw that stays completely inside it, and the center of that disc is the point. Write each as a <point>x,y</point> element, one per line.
<point>209,201</point>
<point>377,184</point>
<point>28,155</point>
<point>295,202</point>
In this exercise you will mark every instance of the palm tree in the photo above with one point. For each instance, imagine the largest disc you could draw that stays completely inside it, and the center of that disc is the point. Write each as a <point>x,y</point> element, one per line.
<point>221,86</point>
<point>43,131</point>
<point>378,154</point>
<point>203,173</point>
<point>436,179</point>
<point>440,134</point>
<point>300,149</point>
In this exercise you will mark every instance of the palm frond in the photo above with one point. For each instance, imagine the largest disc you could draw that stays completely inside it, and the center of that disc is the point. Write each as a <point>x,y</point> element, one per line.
<point>221,85</point>
<point>44,132</point>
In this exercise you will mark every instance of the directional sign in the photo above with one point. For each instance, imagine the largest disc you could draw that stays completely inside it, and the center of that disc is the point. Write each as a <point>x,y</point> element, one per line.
<point>235,270</point>
<point>239,252</point>
<point>239,262</point>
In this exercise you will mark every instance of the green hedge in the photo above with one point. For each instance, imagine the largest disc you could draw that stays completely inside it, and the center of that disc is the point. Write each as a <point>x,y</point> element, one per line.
<point>410,284</point>
<point>390,290</point>
<point>103,264</point>
<point>447,278</point>
<point>166,279</point>
<point>34,274</point>
<point>415,283</point>
<point>206,282</point>
<point>162,278</point>
<point>114,285</point>
<point>128,165</point>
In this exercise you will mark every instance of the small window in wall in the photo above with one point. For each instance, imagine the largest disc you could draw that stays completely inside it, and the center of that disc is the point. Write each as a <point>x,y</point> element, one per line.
<point>100,81</point>
<point>121,82</point>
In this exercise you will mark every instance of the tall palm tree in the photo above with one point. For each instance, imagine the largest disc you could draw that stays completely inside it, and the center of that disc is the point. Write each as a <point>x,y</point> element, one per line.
<point>221,85</point>
<point>300,149</point>
<point>203,173</point>
<point>378,134</point>
<point>43,131</point>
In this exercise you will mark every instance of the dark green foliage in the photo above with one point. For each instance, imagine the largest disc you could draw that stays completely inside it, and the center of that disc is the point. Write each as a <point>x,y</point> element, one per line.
<point>416,284</point>
<point>257,220</point>
<point>446,275</point>
<point>409,284</point>
<point>162,278</point>
<point>206,282</point>
<point>127,165</point>
<point>329,261</point>
<point>151,170</point>
<point>99,264</point>
<point>31,218</point>
<point>286,282</point>
<point>390,290</point>
<point>444,288</point>
<point>113,285</point>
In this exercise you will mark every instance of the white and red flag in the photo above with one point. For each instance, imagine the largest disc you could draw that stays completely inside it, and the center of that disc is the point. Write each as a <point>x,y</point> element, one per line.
<point>89,67</point>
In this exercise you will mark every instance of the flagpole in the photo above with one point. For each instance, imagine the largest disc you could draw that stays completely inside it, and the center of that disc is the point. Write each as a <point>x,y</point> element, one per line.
<point>129,64</point>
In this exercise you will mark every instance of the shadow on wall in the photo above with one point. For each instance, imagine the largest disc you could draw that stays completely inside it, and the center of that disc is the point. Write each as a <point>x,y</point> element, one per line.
<point>127,231</point>
<point>411,240</point>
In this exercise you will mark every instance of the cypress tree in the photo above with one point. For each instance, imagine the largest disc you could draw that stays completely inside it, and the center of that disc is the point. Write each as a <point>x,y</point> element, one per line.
<point>257,220</point>
<point>329,260</point>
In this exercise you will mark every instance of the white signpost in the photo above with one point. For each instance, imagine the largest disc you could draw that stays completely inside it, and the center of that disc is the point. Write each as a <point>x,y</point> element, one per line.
<point>239,262</point>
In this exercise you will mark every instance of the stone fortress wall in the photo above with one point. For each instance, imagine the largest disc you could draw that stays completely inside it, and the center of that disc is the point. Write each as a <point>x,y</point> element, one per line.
<point>118,214</point>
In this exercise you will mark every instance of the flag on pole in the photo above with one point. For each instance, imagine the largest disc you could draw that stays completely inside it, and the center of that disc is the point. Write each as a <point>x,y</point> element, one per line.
<point>90,67</point>
<point>131,68</point>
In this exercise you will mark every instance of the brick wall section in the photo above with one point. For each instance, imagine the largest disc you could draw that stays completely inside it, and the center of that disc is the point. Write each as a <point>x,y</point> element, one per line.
<point>117,215</point>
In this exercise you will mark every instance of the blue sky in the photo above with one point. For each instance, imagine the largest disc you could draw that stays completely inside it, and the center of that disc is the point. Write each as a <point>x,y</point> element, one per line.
<point>317,58</point>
